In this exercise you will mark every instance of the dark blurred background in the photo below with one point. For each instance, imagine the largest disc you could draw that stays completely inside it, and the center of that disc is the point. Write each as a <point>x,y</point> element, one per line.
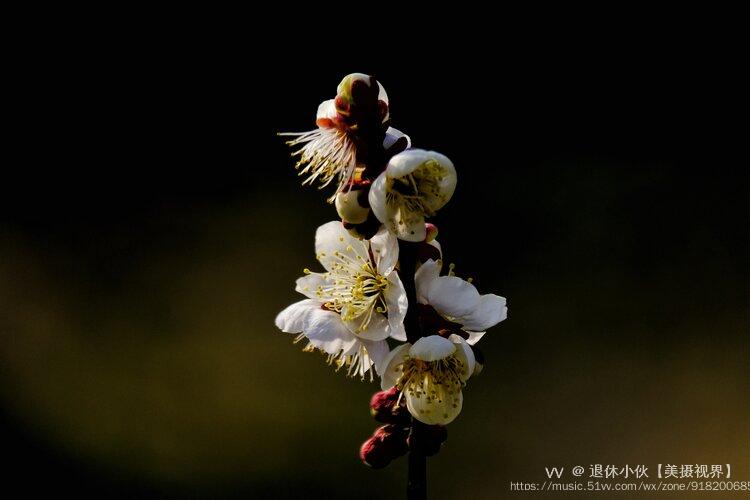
<point>152,226</point>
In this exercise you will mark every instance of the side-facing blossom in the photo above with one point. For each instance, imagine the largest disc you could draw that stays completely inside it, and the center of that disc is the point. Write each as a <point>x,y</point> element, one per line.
<point>430,375</point>
<point>453,305</point>
<point>360,293</point>
<point>329,153</point>
<point>415,184</point>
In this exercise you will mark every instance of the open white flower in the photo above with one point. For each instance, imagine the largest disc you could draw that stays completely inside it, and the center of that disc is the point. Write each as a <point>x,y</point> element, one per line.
<point>326,332</point>
<point>430,375</point>
<point>454,304</point>
<point>356,304</point>
<point>415,184</point>
<point>360,282</point>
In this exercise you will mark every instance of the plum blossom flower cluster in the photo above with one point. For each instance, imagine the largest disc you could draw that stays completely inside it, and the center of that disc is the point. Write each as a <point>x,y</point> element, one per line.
<point>382,305</point>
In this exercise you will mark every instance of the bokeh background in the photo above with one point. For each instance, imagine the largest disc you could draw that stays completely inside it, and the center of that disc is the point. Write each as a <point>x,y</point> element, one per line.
<point>154,226</point>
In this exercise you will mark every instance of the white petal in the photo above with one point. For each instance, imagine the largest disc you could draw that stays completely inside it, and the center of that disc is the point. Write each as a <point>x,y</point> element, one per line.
<point>490,311</point>
<point>474,337</point>
<point>377,329</point>
<point>294,318</point>
<point>327,109</point>
<point>382,95</point>
<point>398,332</point>
<point>391,371</point>
<point>327,332</point>
<point>385,250</point>
<point>412,228</point>
<point>396,300</point>
<point>425,279</point>
<point>441,409</point>
<point>447,184</point>
<point>465,354</point>
<point>406,162</point>
<point>432,348</point>
<point>451,296</point>
<point>392,135</point>
<point>332,237</point>
<point>377,198</point>
<point>378,352</point>
<point>308,285</point>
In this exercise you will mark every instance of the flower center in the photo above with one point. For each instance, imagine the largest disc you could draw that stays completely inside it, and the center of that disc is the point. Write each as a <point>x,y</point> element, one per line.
<point>435,381</point>
<point>412,192</point>
<point>356,289</point>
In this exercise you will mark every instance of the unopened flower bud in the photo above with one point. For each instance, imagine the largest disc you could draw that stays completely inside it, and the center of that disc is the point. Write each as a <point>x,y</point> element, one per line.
<point>393,438</point>
<point>388,442</point>
<point>373,453</point>
<point>351,204</point>
<point>361,100</point>
<point>383,407</point>
<point>427,439</point>
<point>431,232</point>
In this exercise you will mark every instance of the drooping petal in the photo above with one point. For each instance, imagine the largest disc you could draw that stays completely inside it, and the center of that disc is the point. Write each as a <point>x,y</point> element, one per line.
<point>433,404</point>
<point>432,348</point>
<point>377,198</point>
<point>474,337</point>
<point>391,366</point>
<point>491,310</point>
<point>425,279</point>
<point>377,329</point>
<point>397,304</point>
<point>392,135</point>
<point>452,297</point>
<point>310,285</point>
<point>332,237</point>
<point>385,250</point>
<point>326,331</point>
<point>294,317</point>
<point>465,355</point>
<point>378,352</point>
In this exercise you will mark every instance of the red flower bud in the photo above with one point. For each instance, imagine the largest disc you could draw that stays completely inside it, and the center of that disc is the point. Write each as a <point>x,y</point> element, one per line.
<point>383,407</point>
<point>373,453</point>
<point>388,442</point>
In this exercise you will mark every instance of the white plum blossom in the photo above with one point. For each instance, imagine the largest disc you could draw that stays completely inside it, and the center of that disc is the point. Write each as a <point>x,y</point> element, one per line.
<point>360,292</point>
<point>415,184</point>
<point>430,375</point>
<point>458,302</point>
